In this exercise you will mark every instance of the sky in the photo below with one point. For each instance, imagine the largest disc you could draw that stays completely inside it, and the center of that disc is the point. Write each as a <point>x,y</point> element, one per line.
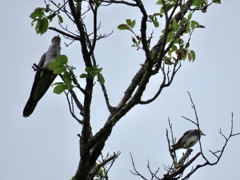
<point>45,145</point>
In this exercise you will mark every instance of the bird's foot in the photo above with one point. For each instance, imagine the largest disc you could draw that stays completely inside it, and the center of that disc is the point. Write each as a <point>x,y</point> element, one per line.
<point>37,68</point>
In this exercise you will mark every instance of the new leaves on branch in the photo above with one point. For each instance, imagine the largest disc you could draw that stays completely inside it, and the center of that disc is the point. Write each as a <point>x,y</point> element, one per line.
<point>42,20</point>
<point>91,72</point>
<point>60,67</point>
<point>128,26</point>
<point>177,32</point>
<point>154,20</point>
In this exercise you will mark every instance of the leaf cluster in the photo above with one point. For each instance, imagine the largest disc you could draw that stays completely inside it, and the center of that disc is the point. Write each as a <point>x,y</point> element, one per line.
<point>92,72</point>
<point>60,67</point>
<point>42,17</point>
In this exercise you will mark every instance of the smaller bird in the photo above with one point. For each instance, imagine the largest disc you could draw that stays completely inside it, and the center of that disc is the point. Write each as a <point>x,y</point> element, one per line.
<point>188,139</point>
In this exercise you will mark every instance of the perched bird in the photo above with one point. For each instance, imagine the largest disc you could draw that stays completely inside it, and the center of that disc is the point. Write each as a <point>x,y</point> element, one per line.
<point>43,77</point>
<point>188,139</point>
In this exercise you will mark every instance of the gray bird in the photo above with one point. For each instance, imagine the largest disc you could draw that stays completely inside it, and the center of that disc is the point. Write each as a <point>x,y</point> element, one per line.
<point>188,139</point>
<point>43,77</point>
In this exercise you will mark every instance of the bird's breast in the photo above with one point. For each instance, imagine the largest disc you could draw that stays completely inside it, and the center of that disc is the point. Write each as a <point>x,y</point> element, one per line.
<point>191,142</point>
<point>49,59</point>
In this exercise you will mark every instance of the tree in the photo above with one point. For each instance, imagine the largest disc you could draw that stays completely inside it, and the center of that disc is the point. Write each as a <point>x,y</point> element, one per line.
<point>164,57</point>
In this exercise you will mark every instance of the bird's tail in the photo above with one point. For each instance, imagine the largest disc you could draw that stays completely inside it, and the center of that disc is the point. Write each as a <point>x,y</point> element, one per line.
<point>29,107</point>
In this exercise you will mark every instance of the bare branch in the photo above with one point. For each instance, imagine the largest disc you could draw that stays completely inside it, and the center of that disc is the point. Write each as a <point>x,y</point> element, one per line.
<point>153,174</point>
<point>71,108</point>
<point>64,33</point>
<point>189,120</point>
<point>110,108</point>
<point>120,2</point>
<point>135,170</point>
<point>103,163</point>
<point>164,84</point>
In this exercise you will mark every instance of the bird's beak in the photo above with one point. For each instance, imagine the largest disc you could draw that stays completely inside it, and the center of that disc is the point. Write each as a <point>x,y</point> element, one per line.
<point>203,134</point>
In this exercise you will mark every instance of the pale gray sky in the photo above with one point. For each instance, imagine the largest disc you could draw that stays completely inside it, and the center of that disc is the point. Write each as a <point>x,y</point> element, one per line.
<point>45,145</point>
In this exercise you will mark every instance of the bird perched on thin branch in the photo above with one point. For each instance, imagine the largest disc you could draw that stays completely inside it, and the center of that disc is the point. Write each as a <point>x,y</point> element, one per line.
<point>43,77</point>
<point>188,139</point>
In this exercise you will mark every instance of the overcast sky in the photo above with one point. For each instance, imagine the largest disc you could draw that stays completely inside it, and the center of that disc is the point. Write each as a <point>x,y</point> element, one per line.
<point>45,145</point>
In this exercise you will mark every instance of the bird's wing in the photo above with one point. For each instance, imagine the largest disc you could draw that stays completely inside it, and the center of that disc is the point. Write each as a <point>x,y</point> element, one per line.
<point>185,136</point>
<point>40,64</point>
<point>42,81</point>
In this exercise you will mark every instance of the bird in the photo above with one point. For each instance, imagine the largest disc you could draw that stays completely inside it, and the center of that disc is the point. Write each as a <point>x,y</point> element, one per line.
<point>188,139</point>
<point>43,76</point>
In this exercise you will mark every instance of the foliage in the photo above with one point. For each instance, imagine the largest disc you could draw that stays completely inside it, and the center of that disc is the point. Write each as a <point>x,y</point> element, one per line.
<point>91,72</point>
<point>60,67</point>
<point>42,20</point>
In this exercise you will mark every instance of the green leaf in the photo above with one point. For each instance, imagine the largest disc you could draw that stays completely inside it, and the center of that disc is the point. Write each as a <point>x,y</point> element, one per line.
<point>159,2</point>
<point>38,26</point>
<point>193,55</point>
<point>69,86</point>
<point>83,75</point>
<point>132,24</point>
<point>75,81</point>
<point>167,7</point>
<point>59,88</point>
<point>58,65</point>
<point>123,27</point>
<point>100,172</point>
<point>155,22</point>
<point>59,70</point>
<point>41,26</point>
<point>175,25</point>
<point>88,69</point>
<point>199,3</point>
<point>184,57</point>
<point>194,24</point>
<point>38,13</point>
<point>93,70</point>
<point>189,56</point>
<point>101,79</point>
<point>60,19</point>
<point>128,21</point>
<point>181,41</point>
<point>189,16</point>
<point>67,77</point>
<point>170,36</point>
<point>173,49</point>
<point>217,1</point>
<point>134,40</point>
<point>54,65</point>
<point>57,83</point>
<point>93,73</point>
<point>45,26</point>
<point>62,59</point>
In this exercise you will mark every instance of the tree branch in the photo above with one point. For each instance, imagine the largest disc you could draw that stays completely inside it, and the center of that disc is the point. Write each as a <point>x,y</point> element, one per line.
<point>120,2</point>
